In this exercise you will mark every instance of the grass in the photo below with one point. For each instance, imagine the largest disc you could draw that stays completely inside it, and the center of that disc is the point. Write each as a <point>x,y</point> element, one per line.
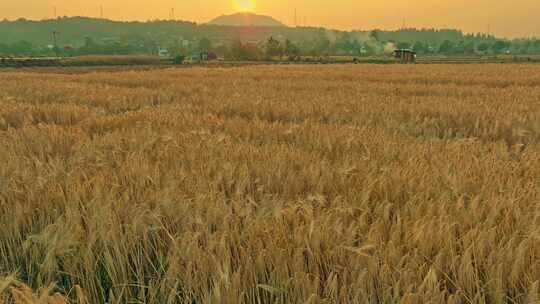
<point>271,184</point>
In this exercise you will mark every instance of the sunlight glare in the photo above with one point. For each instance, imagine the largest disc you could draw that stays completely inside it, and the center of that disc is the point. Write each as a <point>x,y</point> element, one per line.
<point>244,5</point>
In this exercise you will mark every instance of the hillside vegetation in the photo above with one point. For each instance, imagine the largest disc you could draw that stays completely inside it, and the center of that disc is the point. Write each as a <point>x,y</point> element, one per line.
<point>75,36</point>
<point>271,184</point>
<point>245,19</point>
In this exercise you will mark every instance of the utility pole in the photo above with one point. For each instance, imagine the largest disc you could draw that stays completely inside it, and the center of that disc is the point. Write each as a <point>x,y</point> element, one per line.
<point>55,44</point>
<point>172,14</point>
<point>101,11</point>
<point>54,11</point>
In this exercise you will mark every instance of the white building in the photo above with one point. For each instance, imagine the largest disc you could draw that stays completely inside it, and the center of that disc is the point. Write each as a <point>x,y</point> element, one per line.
<point>163,52</point>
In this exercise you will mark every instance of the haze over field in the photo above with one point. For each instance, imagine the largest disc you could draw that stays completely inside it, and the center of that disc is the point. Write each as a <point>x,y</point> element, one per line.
<point>480,16</point>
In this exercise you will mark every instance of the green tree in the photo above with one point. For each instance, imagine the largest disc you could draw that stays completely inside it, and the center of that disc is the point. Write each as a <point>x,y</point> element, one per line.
<point>536,46</point>
<point>251,52</point>
<point>205,45</point>
<point>273,48</point>
<point>483,47</point>
<point>469,48</point>
<point>446,47</point>
<point>526,47</point>
<point>499,46</point>
<point>291,50</point>
<point>236,50</point>
<point>368,49</point>
<point>375,35</point>
<point>178,59</point>
<point>322,45</point>
<point>403,45</point>
<point>22,48</point>
<point>241,51</point>
<point>344,43</point>
<point>4,48</point>
<point>420,47</point>
<point>90,47</point>
<point>459,48</point>
<point>356,47</point>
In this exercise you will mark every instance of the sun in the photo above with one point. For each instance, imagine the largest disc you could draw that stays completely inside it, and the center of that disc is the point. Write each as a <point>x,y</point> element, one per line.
<point>244,5</point>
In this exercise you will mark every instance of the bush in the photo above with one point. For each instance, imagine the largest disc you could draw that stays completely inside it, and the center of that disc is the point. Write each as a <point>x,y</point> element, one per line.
<point>178,59</point>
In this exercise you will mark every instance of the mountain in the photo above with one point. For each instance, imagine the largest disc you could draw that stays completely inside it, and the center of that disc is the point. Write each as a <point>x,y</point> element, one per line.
<point>246,19</point>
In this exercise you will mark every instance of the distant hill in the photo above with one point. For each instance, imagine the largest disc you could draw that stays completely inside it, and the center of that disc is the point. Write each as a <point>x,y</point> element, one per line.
<point>73,30</point>
<point>246,19</point>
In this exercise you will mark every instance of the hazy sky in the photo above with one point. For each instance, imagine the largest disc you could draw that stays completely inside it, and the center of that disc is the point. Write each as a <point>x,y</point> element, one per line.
<point>504,17</point>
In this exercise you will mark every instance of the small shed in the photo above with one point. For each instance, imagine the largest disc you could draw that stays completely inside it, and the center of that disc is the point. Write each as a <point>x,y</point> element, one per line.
<point>163,52</point>
<point>405,55</point>
<point>191,59</point>
<point>211,56</point>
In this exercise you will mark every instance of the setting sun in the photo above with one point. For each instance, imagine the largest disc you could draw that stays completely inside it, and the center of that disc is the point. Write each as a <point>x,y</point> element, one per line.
<point>244,5</point>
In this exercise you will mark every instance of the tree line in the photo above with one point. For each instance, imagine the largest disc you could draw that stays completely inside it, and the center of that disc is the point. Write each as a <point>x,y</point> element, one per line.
<point>86,36</point>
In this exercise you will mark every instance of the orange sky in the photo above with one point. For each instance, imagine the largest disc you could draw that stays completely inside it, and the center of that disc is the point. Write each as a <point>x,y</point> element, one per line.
<point>508,18</point>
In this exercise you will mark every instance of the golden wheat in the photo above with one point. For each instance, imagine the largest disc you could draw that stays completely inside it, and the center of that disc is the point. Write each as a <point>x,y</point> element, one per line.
<point>271,184</point>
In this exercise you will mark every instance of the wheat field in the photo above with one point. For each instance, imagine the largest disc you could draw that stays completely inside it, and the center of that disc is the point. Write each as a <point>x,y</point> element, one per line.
<point>271,184</point>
